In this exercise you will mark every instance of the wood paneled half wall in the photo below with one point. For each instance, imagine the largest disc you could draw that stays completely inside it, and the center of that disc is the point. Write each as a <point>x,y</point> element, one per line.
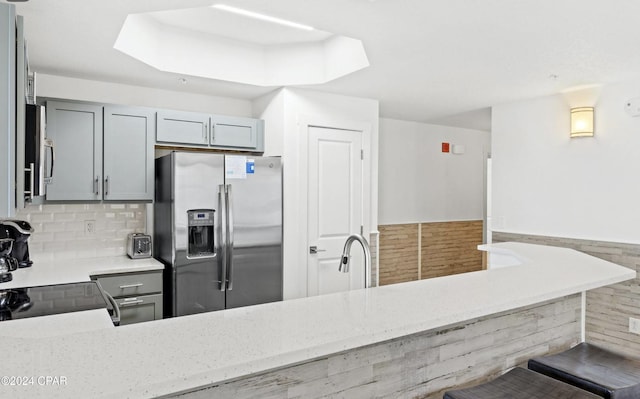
<point>416,251</point>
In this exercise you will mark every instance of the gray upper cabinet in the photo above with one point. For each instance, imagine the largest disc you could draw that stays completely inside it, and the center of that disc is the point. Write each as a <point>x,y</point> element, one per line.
<point>182,127</point>
<point>212,131</point>
<point>96,158</point>
<point>77,131</point>
<point>7,109</point>
<point>227,131</point>
<point>128,153</point>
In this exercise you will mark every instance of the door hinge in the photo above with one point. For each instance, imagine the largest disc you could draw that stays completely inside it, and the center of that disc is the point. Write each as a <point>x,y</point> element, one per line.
<point>362,154</point>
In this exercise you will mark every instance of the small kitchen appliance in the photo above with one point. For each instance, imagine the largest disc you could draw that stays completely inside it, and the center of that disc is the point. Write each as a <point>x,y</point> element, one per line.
<point>19,231</point>
<point>7,262</point>
<point>138,245</point>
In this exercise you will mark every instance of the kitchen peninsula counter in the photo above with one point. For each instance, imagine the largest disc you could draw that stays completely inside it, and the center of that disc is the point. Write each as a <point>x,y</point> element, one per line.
<point>184,354</point>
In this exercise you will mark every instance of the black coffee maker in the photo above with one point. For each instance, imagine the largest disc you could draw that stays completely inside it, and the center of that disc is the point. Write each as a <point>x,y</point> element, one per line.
<point>19,231</point>
<point>7,262</point>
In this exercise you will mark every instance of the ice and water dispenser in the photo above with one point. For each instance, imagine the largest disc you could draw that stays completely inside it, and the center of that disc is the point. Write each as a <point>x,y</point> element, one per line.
<point>200,227</point>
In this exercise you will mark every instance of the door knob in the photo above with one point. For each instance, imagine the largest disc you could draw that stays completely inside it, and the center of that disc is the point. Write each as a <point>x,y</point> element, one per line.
<point>314,249</point>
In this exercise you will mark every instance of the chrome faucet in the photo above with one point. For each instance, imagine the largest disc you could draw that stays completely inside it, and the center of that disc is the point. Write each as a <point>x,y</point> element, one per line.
<point>346,253</point>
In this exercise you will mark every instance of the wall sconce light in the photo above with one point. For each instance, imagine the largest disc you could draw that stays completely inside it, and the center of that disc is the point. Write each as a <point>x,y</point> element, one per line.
<point>582,122</point>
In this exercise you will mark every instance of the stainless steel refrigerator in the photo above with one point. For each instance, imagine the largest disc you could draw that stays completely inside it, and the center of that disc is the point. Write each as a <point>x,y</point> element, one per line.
<point>218,230</point>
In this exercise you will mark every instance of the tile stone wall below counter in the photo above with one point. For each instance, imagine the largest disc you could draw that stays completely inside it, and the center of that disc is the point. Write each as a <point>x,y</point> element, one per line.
<point>59,230</point>
<point>608,308</point>
<point>423,365</point>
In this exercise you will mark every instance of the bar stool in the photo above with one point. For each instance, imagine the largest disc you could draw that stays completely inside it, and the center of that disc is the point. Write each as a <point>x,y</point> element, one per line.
<point>607,374</point>
<point>520,383</point>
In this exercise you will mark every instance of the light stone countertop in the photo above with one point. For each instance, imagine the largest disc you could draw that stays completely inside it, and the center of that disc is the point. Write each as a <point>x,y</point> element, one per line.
<point>181,354</point>
<point>77,270</point>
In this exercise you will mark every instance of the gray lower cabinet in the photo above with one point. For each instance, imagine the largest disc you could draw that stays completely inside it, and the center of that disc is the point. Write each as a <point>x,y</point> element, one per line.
<point>138,295</point>
<point>100,152</point>
<point>208,130</point>
<point>140,308</point>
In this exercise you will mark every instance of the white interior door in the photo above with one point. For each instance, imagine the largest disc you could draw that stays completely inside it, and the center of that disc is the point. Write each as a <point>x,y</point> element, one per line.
<point>335,208</point>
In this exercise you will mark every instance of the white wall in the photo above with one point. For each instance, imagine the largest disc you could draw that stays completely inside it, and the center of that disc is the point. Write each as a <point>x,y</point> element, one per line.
<point>115,93</point>
<point>285,111</point>
<point>548,184</point>
<point>419,183</point>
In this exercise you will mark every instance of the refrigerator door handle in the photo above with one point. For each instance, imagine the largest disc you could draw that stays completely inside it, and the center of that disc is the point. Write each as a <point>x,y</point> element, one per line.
<point>222,237</point>
<point>229,200</point>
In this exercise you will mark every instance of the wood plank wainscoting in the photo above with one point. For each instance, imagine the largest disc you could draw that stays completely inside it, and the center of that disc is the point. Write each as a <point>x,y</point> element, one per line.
<point>608,308</point>
<point>422,365</point>
<point>417,251</point>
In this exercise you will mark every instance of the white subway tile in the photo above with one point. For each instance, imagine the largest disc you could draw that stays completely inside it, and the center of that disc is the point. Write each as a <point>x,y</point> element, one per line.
<point>74,226</point>
<point>116,225</point>
<point>41,236</point>
<point>64,235</point>
<point>55,208</point>
<point>53,227</point>
<point>64,217</point>
<point>59,229</point>
<point>88,215</point>
<point>126,215</point>
<point>54,246</point>
<point>41,217</point>
<point>78,207</point>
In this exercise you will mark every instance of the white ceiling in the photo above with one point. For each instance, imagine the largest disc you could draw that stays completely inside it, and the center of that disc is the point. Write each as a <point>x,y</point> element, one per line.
<point>430,59</point>
<point>215,44</point>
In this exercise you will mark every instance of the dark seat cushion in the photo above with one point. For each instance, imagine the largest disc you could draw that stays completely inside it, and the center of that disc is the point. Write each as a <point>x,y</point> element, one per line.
<point>521,383</point>
<point>597,370</point>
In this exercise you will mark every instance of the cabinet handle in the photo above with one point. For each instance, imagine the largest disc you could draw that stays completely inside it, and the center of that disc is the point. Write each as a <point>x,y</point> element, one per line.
<point>96,187</point>
<point>106,186</point>
<point>213,133</point>
<point>204,132</point>
<point>131,301</point>
<point>49,144</point>
<point>32,182</point>
<point>122,287</point>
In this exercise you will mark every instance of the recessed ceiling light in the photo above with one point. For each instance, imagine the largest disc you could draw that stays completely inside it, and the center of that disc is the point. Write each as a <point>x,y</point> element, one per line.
<point>262,17</point>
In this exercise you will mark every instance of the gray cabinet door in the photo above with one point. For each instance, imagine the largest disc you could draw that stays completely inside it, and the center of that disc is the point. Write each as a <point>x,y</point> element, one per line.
<point>128,153</point>
<point>76,130</point>
<point>228,131</point>
<point>139,309</point>
<point>182,127</point>
<point>7,109</point>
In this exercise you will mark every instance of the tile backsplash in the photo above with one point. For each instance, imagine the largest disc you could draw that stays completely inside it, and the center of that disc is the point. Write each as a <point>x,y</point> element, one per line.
<point>60,229</point>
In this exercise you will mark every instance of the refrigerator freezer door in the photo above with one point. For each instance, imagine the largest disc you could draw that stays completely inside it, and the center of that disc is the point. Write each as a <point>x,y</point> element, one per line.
<point>197,280</point>
<point>256,263</point>
<point>197,287</point>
